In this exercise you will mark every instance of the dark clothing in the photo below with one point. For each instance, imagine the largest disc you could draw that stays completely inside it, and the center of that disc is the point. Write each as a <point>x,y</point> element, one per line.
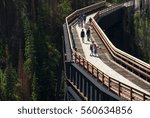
<point>88,34</point>
<point>95,49</point>
<point>81,20</point>
<point>82,34</point>
<point>84,18</point>
<point>90,20</point>
<point>91,48</point>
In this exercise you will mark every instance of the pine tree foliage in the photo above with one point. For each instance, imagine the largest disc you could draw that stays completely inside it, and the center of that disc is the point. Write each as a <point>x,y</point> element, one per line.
<point>11,83</point>
<point>141,26</point>
<point>35,88</point>
<point>46,58</point>
<point>64,8</point>
<point>29,48</point>
<point>2,54</point>
<point>2,84</point>
<point>142,36</point>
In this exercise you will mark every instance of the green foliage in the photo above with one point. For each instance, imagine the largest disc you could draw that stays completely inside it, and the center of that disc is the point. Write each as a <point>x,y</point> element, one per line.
<point>2,84</point>
<point>35,88</point>
<point>142,36</point>
<point>8,84</point>
<point>45,66</point>
<point>40,39</point>
<point>2,52</point>
<point>64,8</point>
<point>117,1</point>
<point>11,84</point>
<point>29,47</point>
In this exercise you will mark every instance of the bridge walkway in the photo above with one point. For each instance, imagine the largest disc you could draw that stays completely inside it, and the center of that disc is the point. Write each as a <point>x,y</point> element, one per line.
<point>104,61</point>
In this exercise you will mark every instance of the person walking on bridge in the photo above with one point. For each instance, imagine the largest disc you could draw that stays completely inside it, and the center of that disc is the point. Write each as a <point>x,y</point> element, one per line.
<point>84,18</point>
<point>88,33</point>
<point>93,48</point>
<point>80,21</point>
<point>90,20</point>
<point>82,35</point>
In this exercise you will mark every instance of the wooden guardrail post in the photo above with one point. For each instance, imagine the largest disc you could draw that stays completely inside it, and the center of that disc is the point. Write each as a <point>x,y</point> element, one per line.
<point>109,83</point>
<point>84,63</point>
<point>92,70</point>
<point>87,65</point>
<point>102,78</point>
<point>119,89</point>
<point>75,55</point>
<point>97,73</point>
<point>131,94</point>
<point>79,60</point>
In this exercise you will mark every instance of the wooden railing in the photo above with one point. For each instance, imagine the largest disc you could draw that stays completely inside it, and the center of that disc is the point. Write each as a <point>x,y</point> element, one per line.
<point>108,10</point>
<point>76,14</point>
<point>135,65</point>
<point>113,85</point>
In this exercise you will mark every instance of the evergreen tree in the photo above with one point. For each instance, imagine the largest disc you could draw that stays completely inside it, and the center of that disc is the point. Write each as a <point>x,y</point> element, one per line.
<point>2,84</point>
<point>35,88</point>
<point>11,84</point>
<point>141,31</point>
<point>44,70</point>
<point>30,58</point>
<point>29,48</point>
<point>64,8</point>
<point>35,31</point>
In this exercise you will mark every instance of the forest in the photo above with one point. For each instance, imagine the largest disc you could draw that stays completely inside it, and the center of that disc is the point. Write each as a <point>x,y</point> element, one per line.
<point>141,21</point>
<point>30,48</point>
<point>31,65</point>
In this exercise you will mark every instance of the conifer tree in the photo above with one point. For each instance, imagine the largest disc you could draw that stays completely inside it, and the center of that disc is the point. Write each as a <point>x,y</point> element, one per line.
<point>2,84</point>
<point>35,89</point>
<point>11,82</point>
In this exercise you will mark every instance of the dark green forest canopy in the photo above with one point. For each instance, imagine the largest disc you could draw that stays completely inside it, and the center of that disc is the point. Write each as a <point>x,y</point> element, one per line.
<point>30,48</point>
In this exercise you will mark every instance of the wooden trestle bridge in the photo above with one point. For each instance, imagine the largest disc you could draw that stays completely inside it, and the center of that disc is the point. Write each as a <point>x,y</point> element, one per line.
<point>114,74</point>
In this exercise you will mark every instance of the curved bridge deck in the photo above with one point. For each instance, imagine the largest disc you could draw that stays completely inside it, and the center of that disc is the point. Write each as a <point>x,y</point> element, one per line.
<point>105,62</point>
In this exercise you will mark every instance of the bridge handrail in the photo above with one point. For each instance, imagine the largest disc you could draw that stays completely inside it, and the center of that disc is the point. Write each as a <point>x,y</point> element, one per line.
<point>116,53</point>
<point>121,86</point>
<point>103,78</point>
<point>134,61</point>
<point>112,8</point>
<point>139,63</point>
<point>77,13</point>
